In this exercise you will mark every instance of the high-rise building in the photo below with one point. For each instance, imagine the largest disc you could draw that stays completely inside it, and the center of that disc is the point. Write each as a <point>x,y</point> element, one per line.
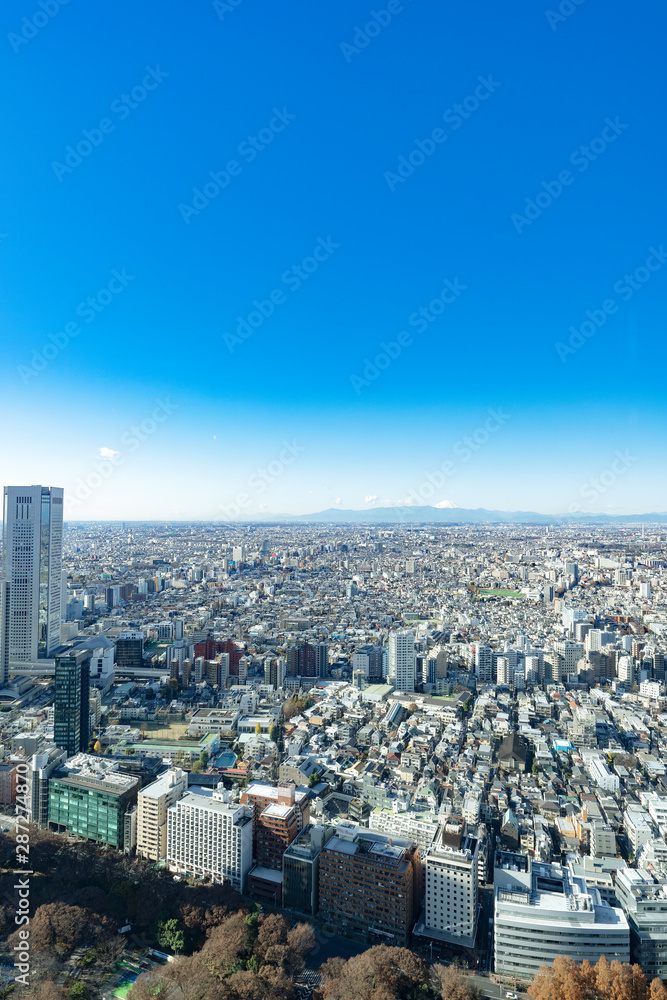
<point>42,765</point>
<point>90,798</point>
<point>322,659</point>
<point>370,884</point>
<point>402,660</point>
<point>301,869</point>
<point>571,653</point>
<point>484,664</point>
<point>153,802</point>
<point>372,660</point>
<point>32,563</point>
<point>4,631</point>
<point>643,896</point>
<point>279,813</point>
<point>71,717</point>
<point>302,660</point>
<point>211,837</point>
<point>451,878</point>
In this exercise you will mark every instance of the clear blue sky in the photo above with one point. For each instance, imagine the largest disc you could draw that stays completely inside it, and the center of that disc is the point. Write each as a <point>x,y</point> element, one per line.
<point>172,92</point>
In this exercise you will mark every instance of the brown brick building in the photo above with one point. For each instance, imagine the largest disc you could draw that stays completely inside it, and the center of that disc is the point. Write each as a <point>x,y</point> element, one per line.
<point>279,813</point>
<point>369,885</point>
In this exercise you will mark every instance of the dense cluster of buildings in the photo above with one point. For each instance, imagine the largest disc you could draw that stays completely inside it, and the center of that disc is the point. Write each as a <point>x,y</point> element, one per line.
<point>446,735</point>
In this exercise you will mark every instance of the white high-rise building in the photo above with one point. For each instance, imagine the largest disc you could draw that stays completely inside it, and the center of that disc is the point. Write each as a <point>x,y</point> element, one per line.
<point>209,836</point>
<point>626,669</point>
<point>532,667</point>
<point>503,671</point>
<point>402,660</point>
<point>450,898</point>
<point>32,563</point>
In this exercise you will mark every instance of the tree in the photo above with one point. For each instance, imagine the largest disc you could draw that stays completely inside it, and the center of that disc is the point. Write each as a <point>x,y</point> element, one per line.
<point>203,758</point>
<point>565,980</point>
<point>98,747</point>
<point>258,728</point>
<point>313,779</point>
<point>658,990</point>
<point>450,982</point>
<point>170,934</point>
<point>273,732</point>
<point>380,973</point>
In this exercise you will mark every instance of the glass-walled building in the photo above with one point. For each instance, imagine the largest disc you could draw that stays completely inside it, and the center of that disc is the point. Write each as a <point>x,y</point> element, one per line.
<point>89,799</point>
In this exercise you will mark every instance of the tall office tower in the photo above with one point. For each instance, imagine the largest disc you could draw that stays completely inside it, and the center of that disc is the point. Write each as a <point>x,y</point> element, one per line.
<point>63,595</point>
<point>484,664</point>
<point>32,562</point>
<point>402,660</point>
<point>4,631</point>
<point>71,728</point>
<point>178,628</point>
<point>321,659</point>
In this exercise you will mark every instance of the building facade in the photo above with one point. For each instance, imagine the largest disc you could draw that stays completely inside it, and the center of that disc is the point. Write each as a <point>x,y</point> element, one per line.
<point>542,911</point>
<point>89,798</point>
<point>451,878</point>
<point>153,802</point>
<point>210,837</point>
<point>369,885</point>
<point>32,563</point>
<point>71,726</point>
<point>402,660</point>
<point>643,896</point>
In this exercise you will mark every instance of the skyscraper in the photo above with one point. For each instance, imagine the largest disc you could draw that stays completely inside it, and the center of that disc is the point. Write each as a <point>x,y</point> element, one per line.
<point>402,660</point>
<point>71,728</point>
<point>4,631</point>
<point>32,563</point>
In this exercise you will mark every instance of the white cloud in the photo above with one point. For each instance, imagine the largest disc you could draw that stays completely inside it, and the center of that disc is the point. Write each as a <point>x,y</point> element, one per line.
<point>338,500</point>
<point>108,453</point>
<point>370,499</point>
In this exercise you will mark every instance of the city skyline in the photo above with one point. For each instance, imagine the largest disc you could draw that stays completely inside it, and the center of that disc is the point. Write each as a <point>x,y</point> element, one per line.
<point>326,256</point>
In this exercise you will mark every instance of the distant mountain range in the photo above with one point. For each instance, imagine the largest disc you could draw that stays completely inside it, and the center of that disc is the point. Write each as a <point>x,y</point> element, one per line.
<point>458,515</point>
